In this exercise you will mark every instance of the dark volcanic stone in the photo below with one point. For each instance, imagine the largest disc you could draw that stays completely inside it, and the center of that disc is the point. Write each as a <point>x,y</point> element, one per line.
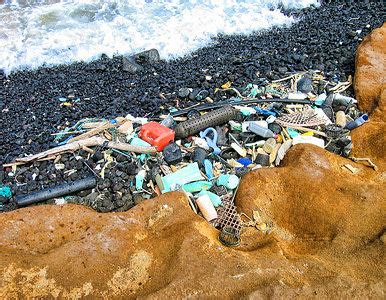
<point>305,84</point>
<point>150,56</point>
<point>129,65</point>
<point>3,200</point>
<point>183,92</point>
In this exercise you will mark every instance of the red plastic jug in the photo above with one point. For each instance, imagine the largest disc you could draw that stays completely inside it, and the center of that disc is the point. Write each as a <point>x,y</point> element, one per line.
<point>156,134</point>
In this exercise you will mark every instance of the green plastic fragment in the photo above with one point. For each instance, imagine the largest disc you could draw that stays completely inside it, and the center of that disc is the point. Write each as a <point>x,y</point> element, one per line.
<point>136,141</point>
<point>197,186</point>
<point>183,176</point>
<point>215,199</point>
<point>139,179</point>
<point>235,126</point>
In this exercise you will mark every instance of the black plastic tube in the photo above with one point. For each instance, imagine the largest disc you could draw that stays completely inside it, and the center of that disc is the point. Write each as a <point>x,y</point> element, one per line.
<point>57,191</point>
<point>211,119</point>
<point>241,102</point>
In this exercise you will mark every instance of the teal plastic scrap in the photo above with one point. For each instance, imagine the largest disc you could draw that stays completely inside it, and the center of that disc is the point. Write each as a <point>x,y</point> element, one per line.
<point>215,199</point>
<point>136,141</point>
<point>253,90</point>
<point>271,90</point>
<point>188,174</point>
<point>197,186</point>
<point>208,168</point>
<point>5,191</point>
<point>139,179</point>
<point>292,132</point>
<point>245,110</point>
<point>230,181</point>
<point>320,99</point>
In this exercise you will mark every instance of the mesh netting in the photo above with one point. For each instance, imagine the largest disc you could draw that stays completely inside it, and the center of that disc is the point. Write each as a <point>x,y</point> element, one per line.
<point>228,216</point>
<point>304,119</point>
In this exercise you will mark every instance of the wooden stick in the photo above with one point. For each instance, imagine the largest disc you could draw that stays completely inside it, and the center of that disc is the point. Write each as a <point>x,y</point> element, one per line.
<point>88,150</point>
<point>20,163</point>
<point>89,142</point>
<point>368,160</point>
<point>92,132</point>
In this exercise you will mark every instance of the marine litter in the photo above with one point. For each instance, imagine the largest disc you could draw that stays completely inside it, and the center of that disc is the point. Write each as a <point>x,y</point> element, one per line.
<point>203,151</point>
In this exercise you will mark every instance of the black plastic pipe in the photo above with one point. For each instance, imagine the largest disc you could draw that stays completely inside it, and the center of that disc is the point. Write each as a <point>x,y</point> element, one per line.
<point>241,102</point>
<point>57,191</point>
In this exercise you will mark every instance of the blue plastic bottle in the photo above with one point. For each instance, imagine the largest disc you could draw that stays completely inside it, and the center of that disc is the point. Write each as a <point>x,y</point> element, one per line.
<point>357,122</point>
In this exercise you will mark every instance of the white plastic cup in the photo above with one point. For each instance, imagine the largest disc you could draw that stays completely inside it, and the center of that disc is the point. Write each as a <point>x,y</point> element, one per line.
<point>206,207</point>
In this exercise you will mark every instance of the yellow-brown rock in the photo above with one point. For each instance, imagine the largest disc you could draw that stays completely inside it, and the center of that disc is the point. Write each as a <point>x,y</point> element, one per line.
<point>370,73</point>
<point>370,89</point>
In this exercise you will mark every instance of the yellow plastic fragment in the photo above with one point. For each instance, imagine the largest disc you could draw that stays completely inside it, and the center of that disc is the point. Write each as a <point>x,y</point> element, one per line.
<point>226,85</point>
<point>308,133</point>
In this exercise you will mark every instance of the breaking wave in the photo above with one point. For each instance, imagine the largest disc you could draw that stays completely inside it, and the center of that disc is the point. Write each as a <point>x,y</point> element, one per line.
<point>36,33</point>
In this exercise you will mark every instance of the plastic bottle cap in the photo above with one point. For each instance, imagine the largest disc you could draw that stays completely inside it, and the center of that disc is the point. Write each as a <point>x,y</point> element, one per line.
<point>229,181</point>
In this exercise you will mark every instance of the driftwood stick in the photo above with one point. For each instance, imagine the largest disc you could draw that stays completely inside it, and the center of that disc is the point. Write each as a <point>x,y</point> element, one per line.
<point>88,142</point>
<point>106,125</point>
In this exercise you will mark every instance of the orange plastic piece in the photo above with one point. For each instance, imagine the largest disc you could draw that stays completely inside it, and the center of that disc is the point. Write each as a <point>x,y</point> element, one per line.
<point>156,134</point>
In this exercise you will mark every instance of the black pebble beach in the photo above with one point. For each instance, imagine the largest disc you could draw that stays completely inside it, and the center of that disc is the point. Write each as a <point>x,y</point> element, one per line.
<point>324,38</point>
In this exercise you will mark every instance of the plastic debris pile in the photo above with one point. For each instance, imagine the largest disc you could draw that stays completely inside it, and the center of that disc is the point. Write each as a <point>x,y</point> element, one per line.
<point>203,151</point>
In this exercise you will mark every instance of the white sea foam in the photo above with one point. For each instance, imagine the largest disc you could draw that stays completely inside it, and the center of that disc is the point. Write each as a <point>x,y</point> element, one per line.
<point>50,32</point>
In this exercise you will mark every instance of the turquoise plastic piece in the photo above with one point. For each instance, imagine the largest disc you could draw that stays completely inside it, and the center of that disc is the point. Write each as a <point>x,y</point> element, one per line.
<point>229,181</point>
<point>215,199</point>
<point>183,176</point>
<point>208,168</point>
<point>292,132</point>
<point>5,191</point>
<point>197,186</point>
<point>136,141</point>
<point>320,99</point>
<point>246,111</point>
<point>139,179</point>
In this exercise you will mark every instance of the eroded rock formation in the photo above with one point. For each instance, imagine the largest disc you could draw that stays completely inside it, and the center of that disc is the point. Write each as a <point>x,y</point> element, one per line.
<point>370,90</point>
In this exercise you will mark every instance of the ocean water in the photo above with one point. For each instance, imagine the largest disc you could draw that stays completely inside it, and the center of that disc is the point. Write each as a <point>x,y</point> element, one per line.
<point>51,32</point>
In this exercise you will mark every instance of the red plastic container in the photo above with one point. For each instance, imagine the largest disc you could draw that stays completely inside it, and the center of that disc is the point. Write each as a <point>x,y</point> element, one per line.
<point>156,134</point>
